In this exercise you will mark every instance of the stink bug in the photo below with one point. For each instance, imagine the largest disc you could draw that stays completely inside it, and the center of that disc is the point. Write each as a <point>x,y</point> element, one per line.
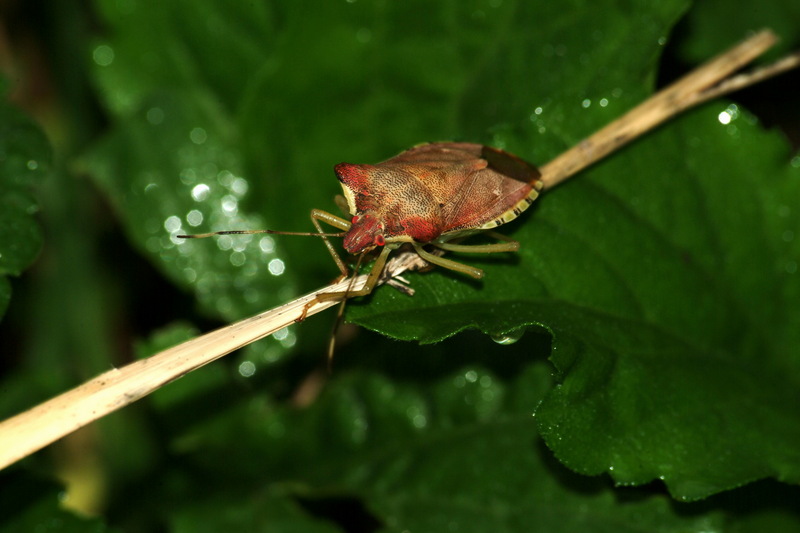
<point>429,195</point>
<point>426,196</point>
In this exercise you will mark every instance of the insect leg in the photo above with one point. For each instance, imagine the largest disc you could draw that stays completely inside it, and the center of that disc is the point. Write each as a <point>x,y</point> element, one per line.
<point>476,273</point>
<point>369,285</point>
<point>318,215</point>
<point>341,203</point>
<point>511,246</point>
<point>498,236</point>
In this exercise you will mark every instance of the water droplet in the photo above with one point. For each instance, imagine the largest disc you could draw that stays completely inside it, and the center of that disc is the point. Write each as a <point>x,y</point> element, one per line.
<point>586,103</point>
<point>239,186</point>
<point>230,205</point>
<point>286,337</point>
<point>198,135</point>
<point>194,218</point>
<point>267,244</point>
<point>190,274</point>
<point>237,258</point>
<point>103,55</point>
<point>417,416</point>
<point>290,340</point>
<point>200,192</point>
<point>188,176</point>
<point>226,178</point>
<point>225,242</point>
<point>276,267</point>
<point>33,164</point>
<point>509,337</point>
<point>172,224</point>
<point>247,369</point>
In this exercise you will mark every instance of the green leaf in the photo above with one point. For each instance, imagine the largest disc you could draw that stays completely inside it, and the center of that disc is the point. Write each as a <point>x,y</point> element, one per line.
<point>264,511</point>
<point>672,310</point>
<point>708,36</point>
<point>24,160</point>
<point>665,276</point>
<point>458,452</point>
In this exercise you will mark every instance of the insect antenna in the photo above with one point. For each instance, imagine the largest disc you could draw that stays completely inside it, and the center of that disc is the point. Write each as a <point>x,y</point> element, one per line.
<point>345,295</point>
<point>255,231</point>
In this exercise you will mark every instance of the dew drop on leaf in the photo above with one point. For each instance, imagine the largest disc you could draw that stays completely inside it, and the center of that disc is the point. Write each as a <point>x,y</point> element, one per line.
<point>509,337</point>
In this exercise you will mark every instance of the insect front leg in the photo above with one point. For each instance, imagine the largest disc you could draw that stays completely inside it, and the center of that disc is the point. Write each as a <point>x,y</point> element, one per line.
<point>369,285</point>
<point>341,203</point>
<point>318,215</point>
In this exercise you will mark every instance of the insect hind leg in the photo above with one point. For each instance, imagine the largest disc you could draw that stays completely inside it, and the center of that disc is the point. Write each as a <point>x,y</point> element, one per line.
<point>508,245</point>
<point>449,264</point>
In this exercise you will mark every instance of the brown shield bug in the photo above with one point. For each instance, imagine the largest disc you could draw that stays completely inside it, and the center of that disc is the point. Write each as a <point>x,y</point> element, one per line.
<point>425,197</point>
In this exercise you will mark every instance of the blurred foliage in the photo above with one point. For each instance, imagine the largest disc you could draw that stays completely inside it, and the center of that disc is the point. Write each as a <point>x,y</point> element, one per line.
<point>24,157</point>
<point>661,283</point>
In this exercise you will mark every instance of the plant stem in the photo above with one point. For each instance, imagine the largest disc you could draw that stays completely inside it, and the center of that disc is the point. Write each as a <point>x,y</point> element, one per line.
<point>708,81</point>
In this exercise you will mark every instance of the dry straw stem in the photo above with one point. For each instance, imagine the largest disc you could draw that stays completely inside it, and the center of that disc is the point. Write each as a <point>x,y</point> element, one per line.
<point>708,81</point>
<point>34,429</point>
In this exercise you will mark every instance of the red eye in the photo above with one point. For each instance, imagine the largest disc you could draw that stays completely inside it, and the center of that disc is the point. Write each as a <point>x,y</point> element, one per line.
<point>354,219</point>
<point>379,240</point>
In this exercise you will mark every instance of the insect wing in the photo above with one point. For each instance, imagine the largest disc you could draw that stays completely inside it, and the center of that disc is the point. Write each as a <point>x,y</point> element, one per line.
<point>477,187</point>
